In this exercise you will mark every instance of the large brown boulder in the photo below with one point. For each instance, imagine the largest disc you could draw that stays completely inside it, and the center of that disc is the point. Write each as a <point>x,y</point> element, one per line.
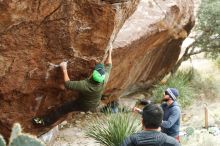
<point>35,34</point>
<point>148,45</point>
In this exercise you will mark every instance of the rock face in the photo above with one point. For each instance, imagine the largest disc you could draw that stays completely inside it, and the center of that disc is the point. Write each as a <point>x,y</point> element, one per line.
<point>148,45</point>
<point>36,35</point>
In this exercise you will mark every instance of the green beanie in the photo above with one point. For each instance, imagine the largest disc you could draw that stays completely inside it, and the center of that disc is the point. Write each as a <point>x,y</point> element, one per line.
<point>98,77</point>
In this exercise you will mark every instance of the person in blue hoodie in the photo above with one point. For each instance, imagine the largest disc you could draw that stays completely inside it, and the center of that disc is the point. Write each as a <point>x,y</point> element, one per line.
<point>172,113</point>
<point>171,117</point>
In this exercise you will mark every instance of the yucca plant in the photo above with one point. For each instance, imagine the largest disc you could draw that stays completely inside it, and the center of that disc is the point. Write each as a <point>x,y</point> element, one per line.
<point>111,130</point>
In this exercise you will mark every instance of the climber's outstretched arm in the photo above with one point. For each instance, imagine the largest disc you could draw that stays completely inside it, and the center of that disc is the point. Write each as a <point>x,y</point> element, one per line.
<point>109,59</point>
<point>63,66</point>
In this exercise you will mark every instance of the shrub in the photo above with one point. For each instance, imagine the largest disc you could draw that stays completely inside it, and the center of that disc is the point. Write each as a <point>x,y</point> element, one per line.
<point>218,62</point>
<point>181,81</point>
<point>111,130</point>
<point>204,84</point>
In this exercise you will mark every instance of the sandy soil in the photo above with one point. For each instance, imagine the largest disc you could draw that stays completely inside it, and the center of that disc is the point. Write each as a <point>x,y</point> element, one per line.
<point>72,132</point>
<point>194,116</point>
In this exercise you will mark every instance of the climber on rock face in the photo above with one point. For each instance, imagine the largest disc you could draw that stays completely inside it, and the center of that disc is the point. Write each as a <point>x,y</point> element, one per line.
<point>90,91</point>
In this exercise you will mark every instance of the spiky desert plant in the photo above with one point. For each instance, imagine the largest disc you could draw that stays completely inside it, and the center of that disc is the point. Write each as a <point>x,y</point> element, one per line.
<point>2,141</point>
<point>16,130</point>
<point>20,139</point>
<point>26,140</point>
<point>111,130</point>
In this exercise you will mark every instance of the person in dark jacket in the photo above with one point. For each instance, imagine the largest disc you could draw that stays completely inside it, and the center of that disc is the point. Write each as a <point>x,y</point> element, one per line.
<point>172,113</point>
<point>90,91</point>
<point>150,136</point>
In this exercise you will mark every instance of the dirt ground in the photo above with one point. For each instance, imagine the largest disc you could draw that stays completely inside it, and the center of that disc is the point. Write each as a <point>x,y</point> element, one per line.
<point>194,116</point>
<point>72,132</point>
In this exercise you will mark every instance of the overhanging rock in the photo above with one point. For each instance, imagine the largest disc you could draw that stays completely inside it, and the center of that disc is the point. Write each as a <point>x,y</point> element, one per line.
<point>34,35</point>
<point>148,45</point>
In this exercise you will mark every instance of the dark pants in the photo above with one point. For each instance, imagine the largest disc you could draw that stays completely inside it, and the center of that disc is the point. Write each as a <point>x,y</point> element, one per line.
<point>67,107</point>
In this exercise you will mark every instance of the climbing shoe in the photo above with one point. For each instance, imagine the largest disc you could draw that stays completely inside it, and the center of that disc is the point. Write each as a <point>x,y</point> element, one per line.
<point>38,121</point>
